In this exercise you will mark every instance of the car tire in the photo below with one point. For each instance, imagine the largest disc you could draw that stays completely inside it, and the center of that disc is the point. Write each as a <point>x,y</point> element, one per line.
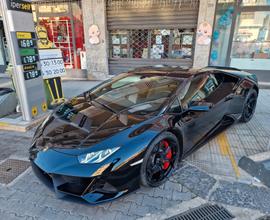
<point>249,106</point>
<point>153,155</point>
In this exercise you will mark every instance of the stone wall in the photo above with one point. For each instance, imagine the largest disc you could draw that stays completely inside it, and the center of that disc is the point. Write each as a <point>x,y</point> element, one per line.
<point>206,14</point>
<point>94,13</point>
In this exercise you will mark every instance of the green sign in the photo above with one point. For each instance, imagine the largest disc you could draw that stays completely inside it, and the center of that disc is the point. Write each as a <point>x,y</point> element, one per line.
<point>28,52</point>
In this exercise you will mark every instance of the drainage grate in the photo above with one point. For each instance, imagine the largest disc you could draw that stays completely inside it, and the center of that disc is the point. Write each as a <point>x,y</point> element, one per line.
<point>12,168</point>
<point>205,212</point>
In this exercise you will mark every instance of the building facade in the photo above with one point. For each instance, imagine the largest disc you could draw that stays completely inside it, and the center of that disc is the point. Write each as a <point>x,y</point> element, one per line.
<point>241,36</point>
<point>99,38</point>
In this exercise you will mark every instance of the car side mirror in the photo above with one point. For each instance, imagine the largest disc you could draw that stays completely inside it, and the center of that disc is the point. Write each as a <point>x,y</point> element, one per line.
<point>200,106</point>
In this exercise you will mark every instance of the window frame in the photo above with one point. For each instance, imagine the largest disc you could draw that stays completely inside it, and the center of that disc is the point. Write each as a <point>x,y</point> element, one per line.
<point>208,73</point>
<point>176,98</point>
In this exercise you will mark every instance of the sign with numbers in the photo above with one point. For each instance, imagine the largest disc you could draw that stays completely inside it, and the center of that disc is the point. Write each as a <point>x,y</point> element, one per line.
<point>32,74</point>
<point>29,59</point>
<point>24,56</point>
<point>28,54</point>
<point>27,43</point>
<point>52,64</point>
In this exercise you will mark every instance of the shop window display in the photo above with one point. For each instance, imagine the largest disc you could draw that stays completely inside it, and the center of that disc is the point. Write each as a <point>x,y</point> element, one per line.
<point>151,43</point>
<point>251,41</point>
<point>63,22</point>
<point>255,2</point>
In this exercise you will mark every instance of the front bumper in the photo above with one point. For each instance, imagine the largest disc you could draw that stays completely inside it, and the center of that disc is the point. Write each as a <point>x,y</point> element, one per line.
<point>95,189</point>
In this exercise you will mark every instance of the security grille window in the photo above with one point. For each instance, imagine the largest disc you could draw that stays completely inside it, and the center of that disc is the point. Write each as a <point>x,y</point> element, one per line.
<point>151,43</point>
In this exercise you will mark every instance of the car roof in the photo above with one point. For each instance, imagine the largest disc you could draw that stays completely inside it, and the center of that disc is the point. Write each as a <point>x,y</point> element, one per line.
<point>165,70</point>
<point>186,73</point>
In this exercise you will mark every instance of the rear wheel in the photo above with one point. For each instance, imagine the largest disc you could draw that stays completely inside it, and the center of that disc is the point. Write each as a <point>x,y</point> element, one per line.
<point>249,106</point>
<point>160,160</point>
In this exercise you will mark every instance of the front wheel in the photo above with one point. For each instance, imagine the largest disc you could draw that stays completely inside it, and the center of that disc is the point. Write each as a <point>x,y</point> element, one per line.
<point>249,106</point>
<point>160,160</point>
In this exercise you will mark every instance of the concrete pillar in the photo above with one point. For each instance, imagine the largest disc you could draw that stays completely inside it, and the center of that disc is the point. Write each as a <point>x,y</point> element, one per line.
<point>94,13</point>
<point>206,14</point>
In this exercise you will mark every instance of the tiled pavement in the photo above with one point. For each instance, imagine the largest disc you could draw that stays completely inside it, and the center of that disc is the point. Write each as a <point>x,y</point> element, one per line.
<point>244,139</point>
<point>212,179</point>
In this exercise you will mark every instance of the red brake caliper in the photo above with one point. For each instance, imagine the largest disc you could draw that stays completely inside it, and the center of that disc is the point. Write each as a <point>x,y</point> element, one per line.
<point>166,164</point>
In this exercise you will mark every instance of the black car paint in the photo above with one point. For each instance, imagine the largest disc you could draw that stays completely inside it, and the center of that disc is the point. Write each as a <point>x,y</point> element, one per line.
<point>59,141</point>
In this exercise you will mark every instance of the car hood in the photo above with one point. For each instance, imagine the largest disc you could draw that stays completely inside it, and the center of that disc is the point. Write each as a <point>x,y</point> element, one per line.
<point>80,124</point>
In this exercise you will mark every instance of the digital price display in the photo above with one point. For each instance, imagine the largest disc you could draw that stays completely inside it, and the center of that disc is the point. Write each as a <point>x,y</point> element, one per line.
<point>32,74</point>
<point>27,43</point>
<point>29,59</point>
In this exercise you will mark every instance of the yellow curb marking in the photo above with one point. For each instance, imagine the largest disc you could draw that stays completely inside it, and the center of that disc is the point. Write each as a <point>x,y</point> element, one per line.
<point>225,150</point>
<point>4,123</point>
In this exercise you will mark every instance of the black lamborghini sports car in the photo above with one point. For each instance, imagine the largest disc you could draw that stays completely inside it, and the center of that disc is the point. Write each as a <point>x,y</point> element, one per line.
<point>133,129</point>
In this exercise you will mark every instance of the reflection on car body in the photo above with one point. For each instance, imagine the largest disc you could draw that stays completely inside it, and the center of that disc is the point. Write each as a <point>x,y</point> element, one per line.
<point>133,129</point>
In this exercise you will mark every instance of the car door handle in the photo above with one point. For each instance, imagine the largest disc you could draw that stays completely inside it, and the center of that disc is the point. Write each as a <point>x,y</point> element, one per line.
<point>229,97</point>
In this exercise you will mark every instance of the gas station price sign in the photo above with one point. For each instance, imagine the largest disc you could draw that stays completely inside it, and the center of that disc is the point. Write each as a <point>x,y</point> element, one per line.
<point>28,54</point>
<point>29,59</point>
<point>27,43</point>
<point>32,74</point>
<point>26,39</point>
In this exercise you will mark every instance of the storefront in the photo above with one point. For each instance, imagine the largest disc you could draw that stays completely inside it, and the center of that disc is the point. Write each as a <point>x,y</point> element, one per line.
<point>241,35</point>
<point>150,32</point>
<point>62,20</point>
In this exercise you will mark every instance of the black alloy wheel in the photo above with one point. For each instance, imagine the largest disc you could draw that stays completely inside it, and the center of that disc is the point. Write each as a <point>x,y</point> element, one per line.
<point>160,160</point>
<point>249,106</point>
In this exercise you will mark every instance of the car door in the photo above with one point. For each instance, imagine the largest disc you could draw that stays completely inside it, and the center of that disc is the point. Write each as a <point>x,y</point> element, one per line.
<point>196,124</point>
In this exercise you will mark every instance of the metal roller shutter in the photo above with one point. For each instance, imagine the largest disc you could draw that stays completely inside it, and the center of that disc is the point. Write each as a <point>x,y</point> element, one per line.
<point>159,13</point>
<point>150,14</point>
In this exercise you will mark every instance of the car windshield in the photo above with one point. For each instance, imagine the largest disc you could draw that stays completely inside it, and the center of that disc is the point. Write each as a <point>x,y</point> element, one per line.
<point>138,94</point>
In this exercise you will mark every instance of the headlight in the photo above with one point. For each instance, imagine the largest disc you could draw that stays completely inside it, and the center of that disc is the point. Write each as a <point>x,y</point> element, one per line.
<point>97,157</point>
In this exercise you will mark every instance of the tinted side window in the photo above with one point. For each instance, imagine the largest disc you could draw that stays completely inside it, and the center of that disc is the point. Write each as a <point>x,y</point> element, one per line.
<point>225,88</point>
<point>200,88</point>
